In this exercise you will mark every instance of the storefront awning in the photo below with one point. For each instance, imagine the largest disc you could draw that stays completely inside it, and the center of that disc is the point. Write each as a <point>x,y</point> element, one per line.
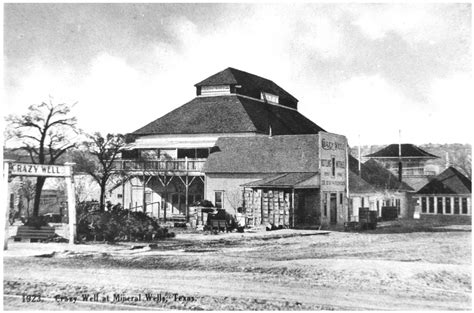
<point>287,180</point>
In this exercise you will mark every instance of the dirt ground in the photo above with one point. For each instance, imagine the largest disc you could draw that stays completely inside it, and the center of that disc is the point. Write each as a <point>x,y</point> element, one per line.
<point>394,268</point>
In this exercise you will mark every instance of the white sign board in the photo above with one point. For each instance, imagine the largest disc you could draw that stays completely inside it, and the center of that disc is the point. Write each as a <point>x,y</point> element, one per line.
<point>333,149</point>
<point>23,169</point>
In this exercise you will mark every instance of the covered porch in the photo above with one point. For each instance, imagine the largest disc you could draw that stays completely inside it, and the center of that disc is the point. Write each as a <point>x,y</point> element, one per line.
<point>285,200</point>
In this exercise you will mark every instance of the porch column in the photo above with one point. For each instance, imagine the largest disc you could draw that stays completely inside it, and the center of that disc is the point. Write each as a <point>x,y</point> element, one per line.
<point>131,193</point>
<point>186,191</point>
<point>292,208</point>
<point>123,192</point>
<point>435,205</point>
<point>452,205</point>
<point>144,192</point>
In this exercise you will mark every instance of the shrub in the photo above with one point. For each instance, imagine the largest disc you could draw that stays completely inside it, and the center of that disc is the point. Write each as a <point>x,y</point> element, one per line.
<point>117,225</point>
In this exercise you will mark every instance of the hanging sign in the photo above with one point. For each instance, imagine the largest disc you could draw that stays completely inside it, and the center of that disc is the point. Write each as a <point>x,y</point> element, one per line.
<point>25,169</point>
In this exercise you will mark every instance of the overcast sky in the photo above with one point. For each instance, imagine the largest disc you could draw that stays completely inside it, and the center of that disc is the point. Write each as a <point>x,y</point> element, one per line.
<point>358,69</point>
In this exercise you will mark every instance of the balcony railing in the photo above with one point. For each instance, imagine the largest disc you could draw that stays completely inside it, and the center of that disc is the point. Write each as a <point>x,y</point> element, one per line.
<point>414,171</point>
<point>184,165</point>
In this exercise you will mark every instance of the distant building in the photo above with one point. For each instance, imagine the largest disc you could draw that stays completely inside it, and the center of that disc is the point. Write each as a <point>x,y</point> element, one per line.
<point>375,188</point>
<point>414,170</point>
<point>448,195</point>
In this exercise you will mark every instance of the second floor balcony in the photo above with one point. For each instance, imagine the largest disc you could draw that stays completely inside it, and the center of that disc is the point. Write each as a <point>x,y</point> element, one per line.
<point>177,166</point>
<point>413,172</point>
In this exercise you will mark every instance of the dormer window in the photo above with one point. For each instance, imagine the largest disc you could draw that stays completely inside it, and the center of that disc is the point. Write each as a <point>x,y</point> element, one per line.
<point>215,90</point>
<point>269,97</point>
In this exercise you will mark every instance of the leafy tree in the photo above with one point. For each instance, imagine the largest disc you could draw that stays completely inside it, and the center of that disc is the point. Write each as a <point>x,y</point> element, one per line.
<point>98,159</point>
<point>44,132</point>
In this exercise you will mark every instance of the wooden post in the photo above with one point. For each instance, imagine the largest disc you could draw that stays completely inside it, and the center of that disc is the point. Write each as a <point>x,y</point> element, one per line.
<point>123,192</point>
<point>71,204</point>
<point>165,205</point>
<point>5,194</point>
<point>131,193</point>
<point>187,193</point>
<point>293,208</point>
<point>144,193</point>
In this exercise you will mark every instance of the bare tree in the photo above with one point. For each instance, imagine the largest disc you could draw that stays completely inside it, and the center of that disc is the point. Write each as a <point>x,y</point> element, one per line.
<point>44,132</point>
<point>27,191</point>
<point>98,159</point>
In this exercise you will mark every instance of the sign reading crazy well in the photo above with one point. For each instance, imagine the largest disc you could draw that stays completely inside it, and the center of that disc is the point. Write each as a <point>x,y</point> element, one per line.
<point>23,169</point>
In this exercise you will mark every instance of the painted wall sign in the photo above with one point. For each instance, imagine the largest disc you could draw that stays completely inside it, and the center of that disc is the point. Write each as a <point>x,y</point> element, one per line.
<point>333,161</point>
<point>24,169</point>
<point>332,145</point>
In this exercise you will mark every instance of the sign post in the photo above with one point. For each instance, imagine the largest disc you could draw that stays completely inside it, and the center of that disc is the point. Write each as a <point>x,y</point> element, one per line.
<point>48,170</point>
<point>71,204</point>
<point>6,193</point>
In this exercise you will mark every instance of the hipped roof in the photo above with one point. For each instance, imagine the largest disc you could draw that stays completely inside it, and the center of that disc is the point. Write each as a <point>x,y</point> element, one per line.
<point>358,185</point>
<point>264,154</point>
<point>450,181</point>
<point>285,180</point>
<point>378,176</point>
<point>232,76</point>
<point>408,150</point>
<point>230,114</point>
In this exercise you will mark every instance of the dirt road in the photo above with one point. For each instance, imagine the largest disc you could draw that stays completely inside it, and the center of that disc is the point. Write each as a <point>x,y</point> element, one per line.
<point>340,271</point>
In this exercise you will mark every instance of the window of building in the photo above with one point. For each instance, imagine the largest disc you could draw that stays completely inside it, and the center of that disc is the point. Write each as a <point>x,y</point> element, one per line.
<point>149,154</point>
<point>431,204</point>
<point>447,205</point>
<point>423,205</point>
<point>362,202</point>
<point>269,97</point>
<point>341,198</point>
<point>186,153</point>
<point>440,205</point>
<point>397,203</point>
<point>119,196</point>
<point>218,196</point>
<point>148,197</point>
<point>168,154</point>
<point>456,205</point>
<point>333,165</point>
<point>215,90</point>
<point>326,204</point>
<point>202,153</point>
<point>464,205</point>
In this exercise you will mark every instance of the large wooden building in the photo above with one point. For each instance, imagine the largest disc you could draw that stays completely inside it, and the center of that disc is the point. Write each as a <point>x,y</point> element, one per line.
<point>163,165</point>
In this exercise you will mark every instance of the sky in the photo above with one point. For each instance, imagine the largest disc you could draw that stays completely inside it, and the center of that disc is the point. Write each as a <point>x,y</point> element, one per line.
<point>362,70</point>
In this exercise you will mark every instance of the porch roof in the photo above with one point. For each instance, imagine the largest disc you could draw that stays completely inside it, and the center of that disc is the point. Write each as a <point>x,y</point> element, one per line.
<point>287,180</point>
